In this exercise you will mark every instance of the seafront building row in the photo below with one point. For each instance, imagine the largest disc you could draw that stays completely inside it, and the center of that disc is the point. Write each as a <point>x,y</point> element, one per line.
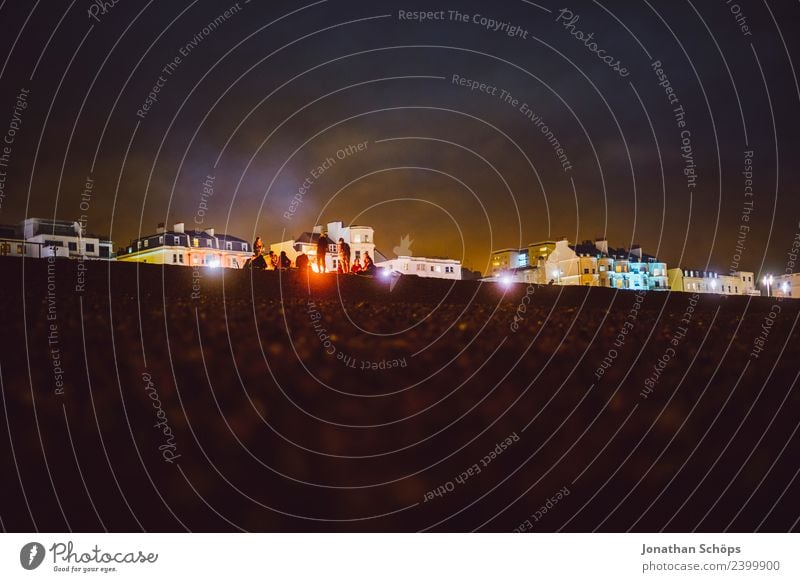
<point>595,263</point>
<point>555,262</point>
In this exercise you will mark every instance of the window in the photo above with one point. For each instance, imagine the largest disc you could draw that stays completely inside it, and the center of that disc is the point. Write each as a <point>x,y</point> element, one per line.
<point>602,269</point>
<point>229,246</point>
<point>244,246</point>
<point>195,242</point>
<point>20,249</point>
<point>174,258</point>
<point>358,255</point>
<point>357,238</point>
<point>586,271</point>
<point>138,244</point>
<point>366,238</point>
<point>161,240</point>
<point>146,243</point>
<point>5,248</point>
<point>89,247</point>
<point>180,258</point>
<point>73,247</point>
<point>208,242</point>
<point>431,268</point>
<point>420,267</point>
<point>176,240</point>
<point>105,252</point>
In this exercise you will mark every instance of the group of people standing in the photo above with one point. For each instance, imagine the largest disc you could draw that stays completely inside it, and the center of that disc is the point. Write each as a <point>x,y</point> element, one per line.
<point>271,261</point>
<point>344,266</point>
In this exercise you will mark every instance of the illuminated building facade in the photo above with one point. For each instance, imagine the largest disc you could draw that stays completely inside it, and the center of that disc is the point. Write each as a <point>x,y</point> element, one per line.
<point>45,237</point>
<point>691,281</point>
<point>787,285</point>
<point>188,248</point>
<point>434,267</point>
<point>587,264</point>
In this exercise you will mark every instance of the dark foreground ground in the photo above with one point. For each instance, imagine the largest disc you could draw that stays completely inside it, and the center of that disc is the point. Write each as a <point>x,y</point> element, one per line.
<point>132,405</point>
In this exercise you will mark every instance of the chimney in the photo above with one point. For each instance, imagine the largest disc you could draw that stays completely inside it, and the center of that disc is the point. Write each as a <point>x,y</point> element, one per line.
<point>601,244</point>
<point>160,229</point>
<point>209,231</point>
<point>178,227</point>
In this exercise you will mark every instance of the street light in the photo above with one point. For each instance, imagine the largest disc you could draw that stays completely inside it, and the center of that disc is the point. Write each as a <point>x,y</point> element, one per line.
<point>768,280</point>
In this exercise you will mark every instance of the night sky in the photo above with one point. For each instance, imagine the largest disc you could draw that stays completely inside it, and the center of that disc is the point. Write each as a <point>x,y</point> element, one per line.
<point>263,98</point>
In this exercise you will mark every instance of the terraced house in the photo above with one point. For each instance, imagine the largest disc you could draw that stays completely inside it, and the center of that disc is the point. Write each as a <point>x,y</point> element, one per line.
<point>189,248</point>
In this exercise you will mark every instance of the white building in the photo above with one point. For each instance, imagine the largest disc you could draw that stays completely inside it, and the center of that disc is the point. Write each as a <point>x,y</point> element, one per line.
<point>13,245</point>
<point>189,248</point>
<point>786,285</point>
<point>434,267</point>
<point>691,281</point>
<point>62,238</point>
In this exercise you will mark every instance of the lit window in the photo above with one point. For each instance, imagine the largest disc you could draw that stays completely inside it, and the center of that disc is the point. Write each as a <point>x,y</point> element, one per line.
<point>161,240</point>
<point>357,238</point>
<point>146,243</point>
<point>195,242</point>
<point>208,242</point>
